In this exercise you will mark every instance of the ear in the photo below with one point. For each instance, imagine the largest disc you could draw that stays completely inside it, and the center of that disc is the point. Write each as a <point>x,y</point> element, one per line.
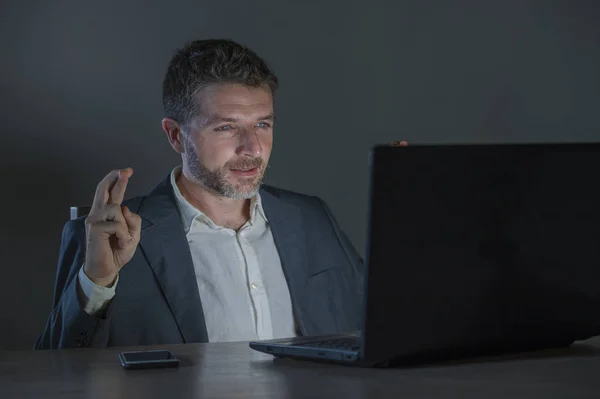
<point>174,134</point>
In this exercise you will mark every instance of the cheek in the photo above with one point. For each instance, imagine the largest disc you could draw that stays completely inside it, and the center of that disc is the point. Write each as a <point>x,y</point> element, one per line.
<point>266,143</point>
<point>214,153</point>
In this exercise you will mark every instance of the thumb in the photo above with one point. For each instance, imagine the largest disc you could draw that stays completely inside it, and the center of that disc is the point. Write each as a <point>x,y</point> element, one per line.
<point>134,222</point>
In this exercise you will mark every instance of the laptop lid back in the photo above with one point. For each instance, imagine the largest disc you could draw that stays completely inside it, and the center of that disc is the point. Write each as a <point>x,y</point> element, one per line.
<point>482,246</point>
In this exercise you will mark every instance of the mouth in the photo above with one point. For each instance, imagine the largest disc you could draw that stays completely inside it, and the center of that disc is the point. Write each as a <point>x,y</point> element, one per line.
<point>245,172</point>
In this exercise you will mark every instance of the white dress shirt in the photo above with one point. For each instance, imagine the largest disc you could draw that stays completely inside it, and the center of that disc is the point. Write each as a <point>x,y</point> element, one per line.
<point>242,287</point>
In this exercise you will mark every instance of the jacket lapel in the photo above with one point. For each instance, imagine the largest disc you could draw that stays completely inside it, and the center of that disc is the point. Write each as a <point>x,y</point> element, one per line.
<point>288,234</point>
<point>164,244</point>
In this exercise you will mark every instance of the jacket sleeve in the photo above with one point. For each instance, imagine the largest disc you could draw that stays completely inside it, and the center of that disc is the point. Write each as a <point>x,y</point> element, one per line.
<point>354,259</point>
<point>68,325</point>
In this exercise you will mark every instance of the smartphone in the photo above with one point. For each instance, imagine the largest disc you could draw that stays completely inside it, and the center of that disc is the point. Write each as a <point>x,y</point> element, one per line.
<point>151,359</point>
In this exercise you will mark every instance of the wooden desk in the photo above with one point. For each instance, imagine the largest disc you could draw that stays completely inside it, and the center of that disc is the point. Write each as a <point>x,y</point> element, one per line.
<point>235,371</point>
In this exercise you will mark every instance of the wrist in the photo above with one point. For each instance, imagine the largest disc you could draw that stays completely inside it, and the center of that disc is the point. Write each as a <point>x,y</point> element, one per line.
<point>106,282</point>
<point>102,281</point>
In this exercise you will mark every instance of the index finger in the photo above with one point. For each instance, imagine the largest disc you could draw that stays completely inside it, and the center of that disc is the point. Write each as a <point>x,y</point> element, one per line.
<point>103,195</point>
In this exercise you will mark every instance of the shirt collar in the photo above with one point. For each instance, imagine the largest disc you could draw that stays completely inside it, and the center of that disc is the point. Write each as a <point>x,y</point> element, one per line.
<point>189,213</point>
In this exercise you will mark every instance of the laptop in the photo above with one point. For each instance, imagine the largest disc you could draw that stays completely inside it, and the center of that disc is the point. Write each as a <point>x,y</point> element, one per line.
<point>472,250</point>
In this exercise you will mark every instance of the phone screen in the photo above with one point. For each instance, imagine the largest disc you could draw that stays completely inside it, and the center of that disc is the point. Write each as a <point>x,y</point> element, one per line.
<point>147,356</point>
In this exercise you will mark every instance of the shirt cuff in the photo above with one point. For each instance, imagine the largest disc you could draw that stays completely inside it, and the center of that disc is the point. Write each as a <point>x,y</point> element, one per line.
<point>95,298</point>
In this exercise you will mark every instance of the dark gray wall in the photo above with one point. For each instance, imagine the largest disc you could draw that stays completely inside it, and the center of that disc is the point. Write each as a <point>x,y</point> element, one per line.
<point>80,95</point>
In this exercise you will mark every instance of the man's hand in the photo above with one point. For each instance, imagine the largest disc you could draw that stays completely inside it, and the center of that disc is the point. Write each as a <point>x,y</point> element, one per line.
<point>112,231</point>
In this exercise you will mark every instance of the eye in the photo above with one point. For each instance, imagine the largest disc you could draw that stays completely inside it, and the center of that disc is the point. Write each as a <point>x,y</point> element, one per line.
<point>223,128</point>
<point>264,125</point>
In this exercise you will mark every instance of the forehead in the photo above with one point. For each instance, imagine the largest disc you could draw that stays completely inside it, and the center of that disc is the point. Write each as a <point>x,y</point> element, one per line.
<point>234,98</point>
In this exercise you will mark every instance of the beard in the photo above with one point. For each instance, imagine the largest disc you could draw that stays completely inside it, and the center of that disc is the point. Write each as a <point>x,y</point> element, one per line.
<point>216,180</point>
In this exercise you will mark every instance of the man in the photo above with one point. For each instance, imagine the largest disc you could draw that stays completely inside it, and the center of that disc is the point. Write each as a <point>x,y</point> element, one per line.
<point>210,255</point>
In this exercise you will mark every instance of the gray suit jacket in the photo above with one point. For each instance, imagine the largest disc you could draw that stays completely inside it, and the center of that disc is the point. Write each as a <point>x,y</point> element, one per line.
<point>157,299</point>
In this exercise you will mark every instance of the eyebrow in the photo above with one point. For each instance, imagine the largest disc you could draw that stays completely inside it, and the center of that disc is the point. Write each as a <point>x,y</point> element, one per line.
<point>218,119</point>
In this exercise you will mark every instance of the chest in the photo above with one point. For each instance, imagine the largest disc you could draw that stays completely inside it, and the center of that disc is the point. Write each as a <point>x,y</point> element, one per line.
<point>228,258</point>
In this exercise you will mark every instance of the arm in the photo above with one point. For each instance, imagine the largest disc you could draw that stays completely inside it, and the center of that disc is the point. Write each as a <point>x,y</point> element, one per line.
<point>354,259</point>
<point>94,298</point>
<point>105,243</point>
<point>69,326</point>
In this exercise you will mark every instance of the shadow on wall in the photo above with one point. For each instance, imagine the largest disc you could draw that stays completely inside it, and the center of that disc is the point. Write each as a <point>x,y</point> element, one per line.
<point>35,184</point>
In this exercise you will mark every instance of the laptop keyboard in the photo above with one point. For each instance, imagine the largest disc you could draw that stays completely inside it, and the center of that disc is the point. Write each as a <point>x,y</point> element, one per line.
<point>352,344</point>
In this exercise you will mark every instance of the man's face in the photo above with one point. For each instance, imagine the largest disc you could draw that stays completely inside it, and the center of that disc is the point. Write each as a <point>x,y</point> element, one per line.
<point>228,144</point>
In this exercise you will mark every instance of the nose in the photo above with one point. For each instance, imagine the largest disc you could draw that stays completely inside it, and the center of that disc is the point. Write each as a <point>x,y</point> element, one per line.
<point>249,144</point>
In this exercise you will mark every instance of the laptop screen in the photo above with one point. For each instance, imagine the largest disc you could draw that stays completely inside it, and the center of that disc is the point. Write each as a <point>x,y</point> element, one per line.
<point>474,246</point>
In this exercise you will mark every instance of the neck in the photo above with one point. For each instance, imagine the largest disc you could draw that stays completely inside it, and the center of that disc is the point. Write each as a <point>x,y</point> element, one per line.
<point>226,212</point>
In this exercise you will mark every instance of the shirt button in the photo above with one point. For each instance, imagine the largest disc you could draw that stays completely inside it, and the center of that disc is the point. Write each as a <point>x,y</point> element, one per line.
<point>254,285</point>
